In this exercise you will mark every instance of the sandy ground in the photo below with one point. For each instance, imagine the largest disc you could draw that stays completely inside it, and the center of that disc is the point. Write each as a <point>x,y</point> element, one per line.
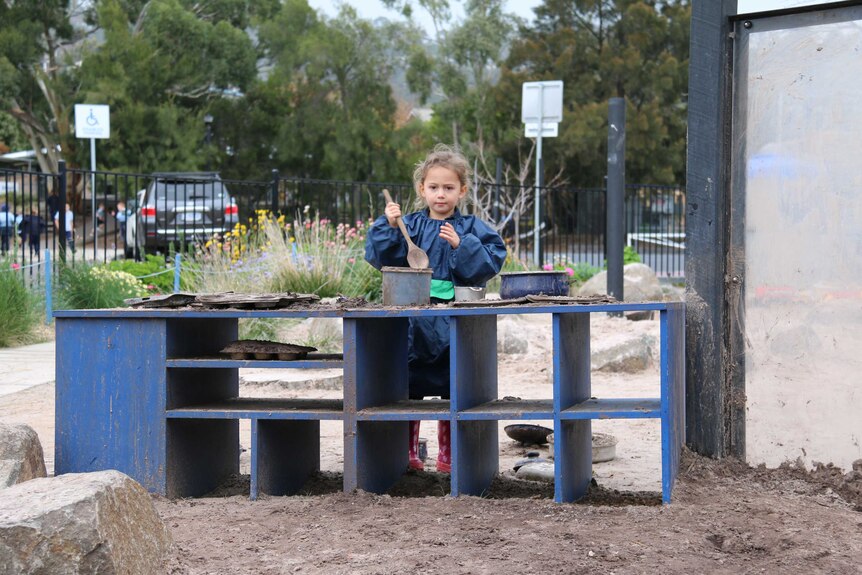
<point>726,517</point>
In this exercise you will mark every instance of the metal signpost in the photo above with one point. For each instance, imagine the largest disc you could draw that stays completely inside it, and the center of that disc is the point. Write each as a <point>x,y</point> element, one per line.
<point>541,113</point>
<point>93,121</point>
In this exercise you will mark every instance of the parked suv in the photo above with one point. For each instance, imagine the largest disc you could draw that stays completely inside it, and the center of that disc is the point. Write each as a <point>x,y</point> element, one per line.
<point>178,208</point>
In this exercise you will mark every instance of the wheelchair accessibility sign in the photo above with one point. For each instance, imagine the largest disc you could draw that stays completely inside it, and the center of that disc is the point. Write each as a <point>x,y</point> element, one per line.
<point>92,121</point>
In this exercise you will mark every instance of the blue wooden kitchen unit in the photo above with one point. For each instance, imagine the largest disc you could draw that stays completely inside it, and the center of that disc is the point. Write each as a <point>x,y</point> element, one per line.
<point>143,391</point>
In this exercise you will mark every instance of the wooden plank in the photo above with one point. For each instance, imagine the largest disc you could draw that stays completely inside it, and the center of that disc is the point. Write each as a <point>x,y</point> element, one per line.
<point>201,455</point>
<point>217,363</point>
<point>572,385</point>
<point>284,455</point>
<point>473,361</point>
<point>571,340</point>
<point>360,313</point>
<point>475,457</point>
<point>672,397</point>
<point>257,408</point>
<point>473,373</point>
<point>381,454</point>
<point>510,409</point>
<point>110,397</point>
<point>573,459</point>
<point>614,408</point>
<point>375,374</point>
<point>407,410</point>
<point>707,184</point>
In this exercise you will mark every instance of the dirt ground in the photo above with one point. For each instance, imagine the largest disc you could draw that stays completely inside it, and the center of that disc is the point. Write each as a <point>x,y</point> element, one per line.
<point>726,517</point>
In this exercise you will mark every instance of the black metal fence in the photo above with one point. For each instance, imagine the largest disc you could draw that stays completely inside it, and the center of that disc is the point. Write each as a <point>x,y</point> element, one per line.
<point>108,220</point>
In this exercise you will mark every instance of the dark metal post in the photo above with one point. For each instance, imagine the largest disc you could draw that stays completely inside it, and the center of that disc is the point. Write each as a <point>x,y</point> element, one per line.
<point>61,212</point>
<point>498,181</point>
<point>616,195</point>
<point>542,206</point>
<point>208,134</point>
<point>357,204</point>
<point>274,192</point>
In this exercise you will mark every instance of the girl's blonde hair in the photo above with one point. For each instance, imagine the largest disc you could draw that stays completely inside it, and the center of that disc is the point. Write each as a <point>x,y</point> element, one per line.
<point>446,157</point>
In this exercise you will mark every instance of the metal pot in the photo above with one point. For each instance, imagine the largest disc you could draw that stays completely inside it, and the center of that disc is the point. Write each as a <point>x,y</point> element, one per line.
<point>406,286</point>
<point>466,293</point>
<point>520,284</point>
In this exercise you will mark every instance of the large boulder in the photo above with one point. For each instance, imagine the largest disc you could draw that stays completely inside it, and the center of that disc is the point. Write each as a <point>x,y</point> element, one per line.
<point>628,355</point>
<point>639,284</point>
<point>511,336</point>
<point>85,523</point>
<point>21,457</point>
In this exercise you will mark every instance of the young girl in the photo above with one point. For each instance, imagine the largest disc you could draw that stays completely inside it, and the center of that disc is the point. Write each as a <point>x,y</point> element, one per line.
<point>462,250</point>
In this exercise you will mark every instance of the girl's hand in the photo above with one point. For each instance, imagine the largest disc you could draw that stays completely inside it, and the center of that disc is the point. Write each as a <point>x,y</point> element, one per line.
<point>447,232</point>
<point>392,212</point>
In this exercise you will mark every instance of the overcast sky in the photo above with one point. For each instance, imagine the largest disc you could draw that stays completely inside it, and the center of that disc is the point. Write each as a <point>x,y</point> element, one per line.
<point>372,9</point>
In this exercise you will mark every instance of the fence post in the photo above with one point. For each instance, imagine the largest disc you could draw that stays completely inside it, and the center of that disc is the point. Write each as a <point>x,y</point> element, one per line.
<point>49,312</point>
<point>177,263</point>
<point>616,195</point>
<point>61,213</point>
<point>274,192</point>
<point>357,204</point>
<point>540,248</point>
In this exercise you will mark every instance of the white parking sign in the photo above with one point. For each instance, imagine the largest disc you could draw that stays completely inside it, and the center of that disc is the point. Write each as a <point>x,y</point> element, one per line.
<point>92,121</point>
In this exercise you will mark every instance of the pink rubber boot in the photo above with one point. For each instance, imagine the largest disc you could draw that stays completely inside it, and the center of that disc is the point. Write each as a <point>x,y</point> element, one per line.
<point>413,461</point>
<point>444,455</point>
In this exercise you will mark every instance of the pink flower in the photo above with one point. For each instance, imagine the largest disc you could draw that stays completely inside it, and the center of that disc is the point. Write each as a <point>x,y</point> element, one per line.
<point>548,267</point>
<point>16,266</point>
<point>351,260</point>
<point>570,271</point>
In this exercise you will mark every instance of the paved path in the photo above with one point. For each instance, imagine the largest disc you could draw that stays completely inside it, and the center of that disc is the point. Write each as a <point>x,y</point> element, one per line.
<point>27,366</point>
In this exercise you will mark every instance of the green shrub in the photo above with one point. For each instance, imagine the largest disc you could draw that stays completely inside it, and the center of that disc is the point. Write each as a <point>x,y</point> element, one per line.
<point>94,287</point>
<point>162,283</point>
<point>19,309</point>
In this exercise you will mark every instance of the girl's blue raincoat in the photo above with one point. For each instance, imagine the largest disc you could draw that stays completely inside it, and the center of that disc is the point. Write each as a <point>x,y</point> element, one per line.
<point>477,259</point>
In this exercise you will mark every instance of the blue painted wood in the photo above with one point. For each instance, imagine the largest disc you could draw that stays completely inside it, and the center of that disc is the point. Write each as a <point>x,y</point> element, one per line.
<point>572,459</point>
<point>248,363</point>
<point>110,398</point>
<point>201,455</point>
<point>367,312</point>
<point>172,423</point>
<point>375,374</point>
<point>571,335</point>
<point>407,410</point>
<point>381,455</point>
<point>499,409</point>
<point>572,385</point>
<point>615,408</point>
<point>672,396</point>
<point>473,380</point>
<point>254,408</point>
<point>475,457</point>
<point>284,455</point>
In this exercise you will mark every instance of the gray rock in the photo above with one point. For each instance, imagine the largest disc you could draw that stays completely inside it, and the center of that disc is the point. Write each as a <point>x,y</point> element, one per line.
<point>536,471</point>
<point>21,457</point>
<point>292,379</point>
<point>510,336</point>
<point>83,523</point>
<point>639,284</point>
<point>627,356</point>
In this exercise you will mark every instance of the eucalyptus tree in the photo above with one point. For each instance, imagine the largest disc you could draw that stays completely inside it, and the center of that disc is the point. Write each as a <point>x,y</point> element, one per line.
<point>37,86</point>
<point>160,68</point>
<point>635,49</point>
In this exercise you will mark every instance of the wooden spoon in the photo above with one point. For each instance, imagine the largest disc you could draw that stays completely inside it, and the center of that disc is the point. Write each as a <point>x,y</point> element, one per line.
<point>416,256</point>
